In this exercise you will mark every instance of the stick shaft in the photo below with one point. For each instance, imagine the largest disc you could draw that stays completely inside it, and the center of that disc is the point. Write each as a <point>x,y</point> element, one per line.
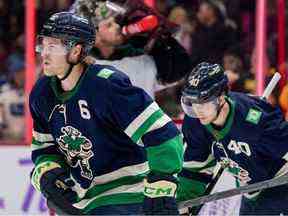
<point>282,180</point>
<point>272,84</point>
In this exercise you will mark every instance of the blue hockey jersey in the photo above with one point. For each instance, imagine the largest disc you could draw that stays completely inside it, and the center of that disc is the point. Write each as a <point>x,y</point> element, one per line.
<point>103,131</point>
<point>254,140</point>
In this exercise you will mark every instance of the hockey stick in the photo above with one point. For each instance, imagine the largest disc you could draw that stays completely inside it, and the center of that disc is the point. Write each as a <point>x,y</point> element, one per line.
<point>268,90</point>
<point>282,180</point>
<point>209,188</point>
<point>271,85</point>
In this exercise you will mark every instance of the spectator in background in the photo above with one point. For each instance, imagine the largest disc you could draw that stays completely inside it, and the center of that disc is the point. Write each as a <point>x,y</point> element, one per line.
<point>250,82</point>
<point>12,103</point>
<point>63,5</point>
<point>163,6</point>
<point>162,63</point>
<point>187,22</point>
<point>212,36</point>
<point>4,16</point>
<point>140,68</point>
<point>233,65</point>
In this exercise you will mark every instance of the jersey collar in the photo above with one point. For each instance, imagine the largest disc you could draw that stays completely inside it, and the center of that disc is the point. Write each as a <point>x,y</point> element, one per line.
<point>64,96</point>
<point>220,134</point>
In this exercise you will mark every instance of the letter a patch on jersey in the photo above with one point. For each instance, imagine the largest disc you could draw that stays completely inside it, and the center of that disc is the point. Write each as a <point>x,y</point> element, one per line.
<point>253,116</point>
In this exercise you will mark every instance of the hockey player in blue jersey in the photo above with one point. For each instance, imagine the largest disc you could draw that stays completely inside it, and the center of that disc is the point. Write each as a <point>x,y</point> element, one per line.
<point>242,132</point>
<point>99,143</point>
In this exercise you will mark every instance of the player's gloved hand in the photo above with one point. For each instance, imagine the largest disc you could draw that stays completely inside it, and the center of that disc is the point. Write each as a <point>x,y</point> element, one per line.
<point>55,184</point>
<point>159,194</point>
<point>58,182</point>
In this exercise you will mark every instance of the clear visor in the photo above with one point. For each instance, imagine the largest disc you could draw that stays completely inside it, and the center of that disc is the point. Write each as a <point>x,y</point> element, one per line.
<point>196,110</point>
<point>46,45</point>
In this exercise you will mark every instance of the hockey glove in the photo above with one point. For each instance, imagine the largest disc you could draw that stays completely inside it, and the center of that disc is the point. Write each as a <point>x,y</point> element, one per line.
<point>56,186</point>
<point>159,194</point>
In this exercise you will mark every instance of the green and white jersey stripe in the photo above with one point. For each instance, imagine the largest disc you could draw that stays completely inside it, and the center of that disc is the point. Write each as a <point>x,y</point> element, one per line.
<point>38,145</point>
<point>150,119</point>
<point>111,187</point>
<point>42,137</point>
<point>197,164</point>
<point>159,123</point>
<point>41,140</point>
<point>129,188</point>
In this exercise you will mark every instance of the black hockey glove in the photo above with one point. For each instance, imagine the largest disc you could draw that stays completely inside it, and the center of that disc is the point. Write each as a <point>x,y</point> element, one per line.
<point>57,182</point>
<point>159,194</point>
<point>56,186</point>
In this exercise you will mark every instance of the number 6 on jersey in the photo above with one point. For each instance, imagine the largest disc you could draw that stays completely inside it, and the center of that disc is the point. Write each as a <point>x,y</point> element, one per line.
<point>83,106</point>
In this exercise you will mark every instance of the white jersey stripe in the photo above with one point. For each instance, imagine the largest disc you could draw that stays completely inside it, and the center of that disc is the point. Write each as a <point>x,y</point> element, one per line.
<point>140,119</point>
<point>122,172</point>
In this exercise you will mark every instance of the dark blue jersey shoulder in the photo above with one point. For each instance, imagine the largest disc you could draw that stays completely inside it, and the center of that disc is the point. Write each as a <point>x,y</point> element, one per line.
<point>258,111</point>
<point>125,100</point>
<point>39,89</point>
<point>109,73</point>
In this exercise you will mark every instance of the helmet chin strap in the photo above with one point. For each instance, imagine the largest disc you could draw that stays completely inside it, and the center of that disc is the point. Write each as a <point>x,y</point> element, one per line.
<point>219,108</point>
<point>68,72</point>
<point>71,65</point>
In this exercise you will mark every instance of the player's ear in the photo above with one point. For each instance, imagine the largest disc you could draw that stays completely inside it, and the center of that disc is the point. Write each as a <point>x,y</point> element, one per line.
<point>75,53</point>
<point>76,50</point>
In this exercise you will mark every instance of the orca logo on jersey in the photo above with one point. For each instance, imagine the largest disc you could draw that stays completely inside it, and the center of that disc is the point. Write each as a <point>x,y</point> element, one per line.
<point>77,149</point>
<point>237,171</point>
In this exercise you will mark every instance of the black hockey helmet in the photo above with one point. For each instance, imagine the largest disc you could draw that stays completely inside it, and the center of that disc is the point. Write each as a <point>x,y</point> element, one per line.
<point>205,83</point>
<point>72,29</point>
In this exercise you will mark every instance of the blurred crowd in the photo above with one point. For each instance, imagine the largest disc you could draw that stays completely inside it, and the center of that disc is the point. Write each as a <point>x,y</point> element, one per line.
<point>219,31</point>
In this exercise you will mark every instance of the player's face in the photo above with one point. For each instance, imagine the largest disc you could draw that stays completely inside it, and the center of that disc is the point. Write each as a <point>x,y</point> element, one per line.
<point>205,112</point>
<point>109,32</point>
<point>53,56</point>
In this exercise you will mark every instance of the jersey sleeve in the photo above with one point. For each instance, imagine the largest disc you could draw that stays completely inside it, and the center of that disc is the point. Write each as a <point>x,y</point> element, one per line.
<point>45,155</point>
<point>147,125</point>
<point>198,161</point>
